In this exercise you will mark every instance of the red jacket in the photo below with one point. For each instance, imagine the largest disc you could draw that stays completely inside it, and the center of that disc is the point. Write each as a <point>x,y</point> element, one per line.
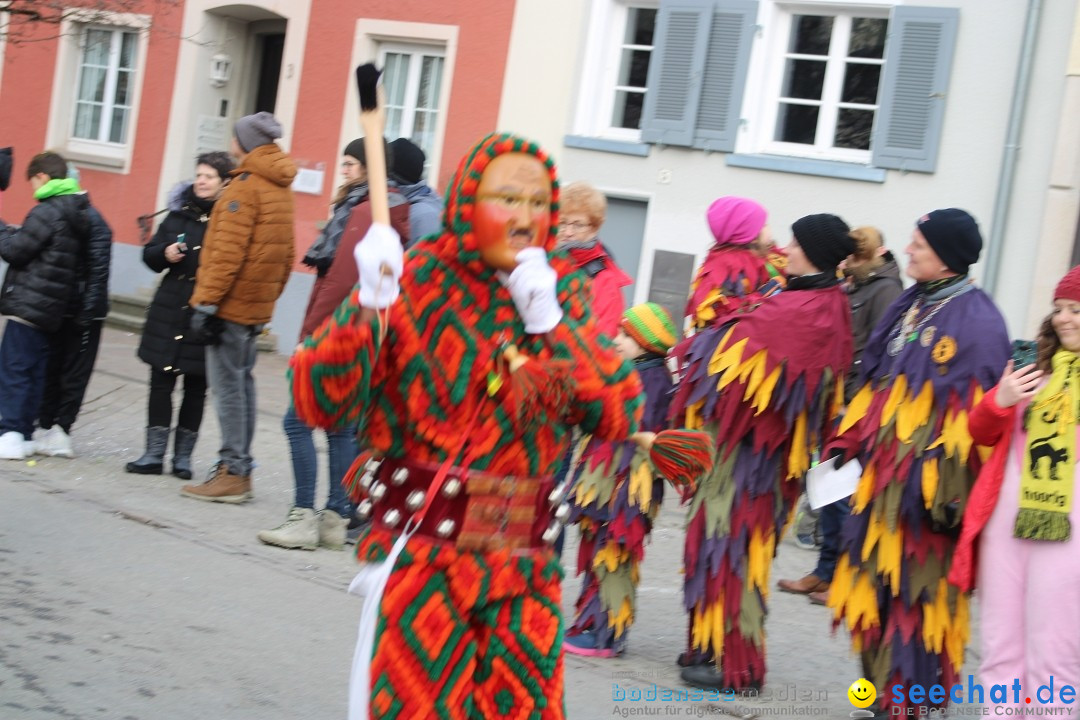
<point>607,304</point>
<point>332,288</point>
<point>992,426</point>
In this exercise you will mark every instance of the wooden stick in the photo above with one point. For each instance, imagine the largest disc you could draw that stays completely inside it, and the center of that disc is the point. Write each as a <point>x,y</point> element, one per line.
<point>373,121</point>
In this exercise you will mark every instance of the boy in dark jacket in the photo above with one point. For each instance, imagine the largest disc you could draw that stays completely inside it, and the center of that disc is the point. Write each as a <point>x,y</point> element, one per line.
<point>73,350</point>
<point>43,262</point>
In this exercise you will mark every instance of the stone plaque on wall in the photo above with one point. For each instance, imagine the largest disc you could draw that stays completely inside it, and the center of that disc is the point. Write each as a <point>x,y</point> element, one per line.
<point>670,283</point>
<point>211,134</point>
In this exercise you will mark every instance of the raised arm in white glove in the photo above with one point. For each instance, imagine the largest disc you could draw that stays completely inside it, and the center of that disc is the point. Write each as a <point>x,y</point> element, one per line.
<point>532,286</point>
<point>379,259</point>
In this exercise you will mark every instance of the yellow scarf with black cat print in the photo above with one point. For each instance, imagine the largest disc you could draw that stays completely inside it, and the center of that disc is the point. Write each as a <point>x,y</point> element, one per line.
<point>1046,481</point>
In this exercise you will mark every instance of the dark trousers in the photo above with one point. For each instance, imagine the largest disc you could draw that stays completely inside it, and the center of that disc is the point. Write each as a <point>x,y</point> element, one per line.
<point>160,409</point>
<point>24,352</point>
<point>72,353</point>
<point>830,521</point>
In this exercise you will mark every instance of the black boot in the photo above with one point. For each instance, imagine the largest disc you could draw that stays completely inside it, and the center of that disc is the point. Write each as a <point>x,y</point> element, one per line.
<point>707,677</point>
<point>183,444</point>
<point>157,439</point>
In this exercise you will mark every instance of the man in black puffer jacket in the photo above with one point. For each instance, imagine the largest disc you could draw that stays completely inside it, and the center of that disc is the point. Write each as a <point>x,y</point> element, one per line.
<point>43,264</point>
<point>73,349</point>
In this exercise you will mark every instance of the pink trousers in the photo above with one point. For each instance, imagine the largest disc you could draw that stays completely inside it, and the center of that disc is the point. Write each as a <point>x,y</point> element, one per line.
<point>1029,600</point>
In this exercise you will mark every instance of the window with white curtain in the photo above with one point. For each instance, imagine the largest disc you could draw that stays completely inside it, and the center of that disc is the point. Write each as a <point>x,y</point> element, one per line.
<point>413,82</point>
<point>105,83</point>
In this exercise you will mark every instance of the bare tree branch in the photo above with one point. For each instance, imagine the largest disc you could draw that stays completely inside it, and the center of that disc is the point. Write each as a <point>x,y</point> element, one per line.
<point>23,21</point>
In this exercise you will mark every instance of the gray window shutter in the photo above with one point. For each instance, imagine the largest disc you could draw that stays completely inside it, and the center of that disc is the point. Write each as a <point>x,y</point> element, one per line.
<point>674,83</point>
<point>912,106</point>
<point>726,61</point>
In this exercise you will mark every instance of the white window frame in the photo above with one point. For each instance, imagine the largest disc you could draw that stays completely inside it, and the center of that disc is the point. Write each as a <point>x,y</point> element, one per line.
<point>94,153</point>
<point>762,101</point>
<point>603,56</point>
<point>112,72</point>
<point>412,85</point>
<point>371,37</point>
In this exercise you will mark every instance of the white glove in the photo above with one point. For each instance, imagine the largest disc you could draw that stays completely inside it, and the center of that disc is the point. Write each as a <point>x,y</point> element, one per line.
<point>380,249</point>
<point>532,286</point>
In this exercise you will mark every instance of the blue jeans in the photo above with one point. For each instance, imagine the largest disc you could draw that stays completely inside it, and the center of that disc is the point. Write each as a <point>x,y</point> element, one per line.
<point>342,451</point>
<point>830,521</point>
<point>24,354</point>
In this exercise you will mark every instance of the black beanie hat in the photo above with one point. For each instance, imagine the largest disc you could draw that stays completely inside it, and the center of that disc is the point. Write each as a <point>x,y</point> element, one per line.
<point>825,239</point>
<point>954,235</point>
<point>357,150</point>
<point>408,162</point>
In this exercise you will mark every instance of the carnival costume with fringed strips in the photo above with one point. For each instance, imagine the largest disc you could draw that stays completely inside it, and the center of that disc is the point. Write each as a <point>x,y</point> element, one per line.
<point>926,365</point>
<point>766,384</point>
<point>464,633</point>
<point>728,278</point>
<point>617,494</point>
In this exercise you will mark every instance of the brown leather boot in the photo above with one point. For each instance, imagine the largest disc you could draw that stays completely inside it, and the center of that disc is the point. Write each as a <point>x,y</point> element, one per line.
<point>804,585</point>
<point>223,486</point>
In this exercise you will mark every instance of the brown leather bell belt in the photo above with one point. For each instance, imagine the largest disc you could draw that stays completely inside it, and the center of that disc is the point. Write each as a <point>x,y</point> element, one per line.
<point>472,510</point>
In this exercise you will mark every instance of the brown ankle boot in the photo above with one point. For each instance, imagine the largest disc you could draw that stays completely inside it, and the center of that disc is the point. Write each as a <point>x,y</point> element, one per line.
<point>804,585</point>
<point>223,486</point>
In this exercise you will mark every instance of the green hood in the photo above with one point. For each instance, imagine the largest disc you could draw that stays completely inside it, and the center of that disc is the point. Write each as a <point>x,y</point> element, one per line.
<point>55,187</point>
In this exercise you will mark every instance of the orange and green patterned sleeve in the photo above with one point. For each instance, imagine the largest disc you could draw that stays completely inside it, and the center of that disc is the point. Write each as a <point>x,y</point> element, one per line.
<point>332,373</point>
<point>608,397</point>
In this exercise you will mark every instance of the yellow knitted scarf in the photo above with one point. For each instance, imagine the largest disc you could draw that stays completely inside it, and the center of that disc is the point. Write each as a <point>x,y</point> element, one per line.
<point>1046,482</point>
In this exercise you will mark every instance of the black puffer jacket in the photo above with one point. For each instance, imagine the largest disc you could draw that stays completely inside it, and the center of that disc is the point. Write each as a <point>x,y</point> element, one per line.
<point>164,343</point>
<point>43,261</point>
<point>91,298</point>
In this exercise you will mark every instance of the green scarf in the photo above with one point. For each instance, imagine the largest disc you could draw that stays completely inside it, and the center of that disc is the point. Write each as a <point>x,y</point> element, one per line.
<point>1046,482</point>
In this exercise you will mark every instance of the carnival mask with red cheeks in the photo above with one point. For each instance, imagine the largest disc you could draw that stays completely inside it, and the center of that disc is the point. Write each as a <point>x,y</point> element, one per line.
<point>513,209</point>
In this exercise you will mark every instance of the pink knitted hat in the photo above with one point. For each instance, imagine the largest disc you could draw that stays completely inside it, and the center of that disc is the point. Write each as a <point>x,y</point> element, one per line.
<point>735,220</point>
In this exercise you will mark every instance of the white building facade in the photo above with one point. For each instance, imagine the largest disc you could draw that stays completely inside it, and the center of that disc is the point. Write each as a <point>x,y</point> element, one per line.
<point>877,111</point>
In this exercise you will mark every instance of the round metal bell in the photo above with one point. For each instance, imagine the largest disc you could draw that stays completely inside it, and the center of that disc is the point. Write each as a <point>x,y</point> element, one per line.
<point>366,479</point>
<point>552,533</point>
<point>363,510</point>
<point>562,513</point>
<point>451,488</point>
<point>378,492</point>
<point>400,476</point>
<point>415,500</point>
<point>372,465</point>
<point>445,528</point>
<point>556,495</point>
<point>392,517</point>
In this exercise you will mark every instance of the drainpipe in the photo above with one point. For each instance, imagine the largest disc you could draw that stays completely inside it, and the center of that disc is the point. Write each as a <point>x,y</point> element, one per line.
<point>1012,148</point>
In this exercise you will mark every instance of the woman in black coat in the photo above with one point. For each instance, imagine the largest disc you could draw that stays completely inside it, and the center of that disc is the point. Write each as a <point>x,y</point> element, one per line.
<point>165,346</point>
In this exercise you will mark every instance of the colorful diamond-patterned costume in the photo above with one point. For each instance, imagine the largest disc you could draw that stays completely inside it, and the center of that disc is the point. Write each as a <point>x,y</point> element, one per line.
<point>925,366</point>
<point>463,634</point>
<point>617,494</point>
<point>766,382</point>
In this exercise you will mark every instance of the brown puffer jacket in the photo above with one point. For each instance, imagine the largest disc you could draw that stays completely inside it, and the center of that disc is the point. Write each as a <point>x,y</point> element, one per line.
<point>248,253</point>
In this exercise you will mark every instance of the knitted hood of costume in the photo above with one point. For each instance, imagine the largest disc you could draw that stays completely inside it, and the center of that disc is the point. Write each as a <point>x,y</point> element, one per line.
<point>767,385</point>
<point>908,426</point>
<point>445,335</point>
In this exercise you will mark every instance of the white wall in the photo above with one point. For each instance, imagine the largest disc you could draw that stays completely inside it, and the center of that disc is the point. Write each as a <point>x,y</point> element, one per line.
<point>539,98</point>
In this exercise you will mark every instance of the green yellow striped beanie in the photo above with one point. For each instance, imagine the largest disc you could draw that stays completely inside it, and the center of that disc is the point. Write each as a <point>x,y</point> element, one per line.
<point>651,327</point>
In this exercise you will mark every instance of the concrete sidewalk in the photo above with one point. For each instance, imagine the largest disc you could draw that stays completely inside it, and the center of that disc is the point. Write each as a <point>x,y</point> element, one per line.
<point>810,669</point>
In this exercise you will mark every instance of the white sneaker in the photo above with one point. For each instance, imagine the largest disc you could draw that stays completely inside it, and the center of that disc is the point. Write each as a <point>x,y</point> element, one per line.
<point>299,531</point>
<point>12,446</point>
<point>55,443</point>
<point>332,529</point>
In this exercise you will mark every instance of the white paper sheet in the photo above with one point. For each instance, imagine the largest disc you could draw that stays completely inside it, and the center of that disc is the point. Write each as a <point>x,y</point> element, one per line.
<point>826,483</point>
